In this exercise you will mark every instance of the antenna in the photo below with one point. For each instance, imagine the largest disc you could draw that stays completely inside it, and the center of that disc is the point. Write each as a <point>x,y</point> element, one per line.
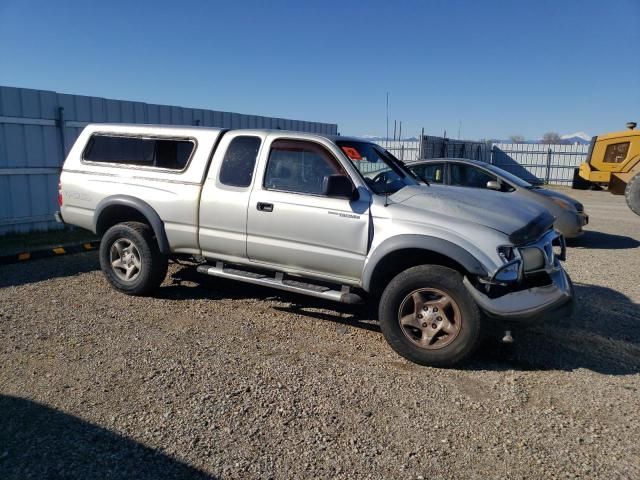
<point>459,128</point>
<point>387,117</point>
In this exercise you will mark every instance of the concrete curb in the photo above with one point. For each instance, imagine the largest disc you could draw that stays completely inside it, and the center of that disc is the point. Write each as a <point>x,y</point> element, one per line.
<point>48,252</point>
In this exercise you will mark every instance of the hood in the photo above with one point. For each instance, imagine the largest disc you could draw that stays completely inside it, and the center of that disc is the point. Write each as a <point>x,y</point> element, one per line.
<point>520,219</point>
<point>553,194</point>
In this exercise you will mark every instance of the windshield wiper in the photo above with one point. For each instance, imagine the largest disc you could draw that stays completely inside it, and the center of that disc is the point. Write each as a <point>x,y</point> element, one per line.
<point>406,170</point>
<point>420,177</point>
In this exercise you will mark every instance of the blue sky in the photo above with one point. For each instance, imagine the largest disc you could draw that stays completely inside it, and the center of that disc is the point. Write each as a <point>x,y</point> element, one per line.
<point>498,67</point>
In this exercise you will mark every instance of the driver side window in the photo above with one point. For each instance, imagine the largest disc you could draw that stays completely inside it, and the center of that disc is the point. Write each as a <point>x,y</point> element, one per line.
<point>468,176</point>
<point>299,167</point>
<point>431,172</point>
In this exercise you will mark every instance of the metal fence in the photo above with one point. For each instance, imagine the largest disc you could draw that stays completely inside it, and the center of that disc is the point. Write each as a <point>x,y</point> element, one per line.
<point>38,127</point>
<point>537,163</point>
<point>437,147</point>
<point>440,147</point>
<point>405,150</point>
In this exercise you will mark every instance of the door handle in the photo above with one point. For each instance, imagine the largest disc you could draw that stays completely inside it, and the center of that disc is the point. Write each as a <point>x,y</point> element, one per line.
<point>265,207</point>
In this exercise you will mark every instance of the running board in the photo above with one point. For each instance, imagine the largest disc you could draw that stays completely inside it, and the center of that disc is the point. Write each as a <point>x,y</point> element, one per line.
<point>278,281</point>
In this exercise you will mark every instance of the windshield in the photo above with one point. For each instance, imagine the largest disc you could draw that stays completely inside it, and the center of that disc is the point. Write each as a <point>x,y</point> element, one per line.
<point>508,176</point>
<point>383,172</point>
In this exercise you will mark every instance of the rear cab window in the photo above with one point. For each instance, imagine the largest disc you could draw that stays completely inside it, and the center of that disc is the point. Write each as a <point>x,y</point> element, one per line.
<point>239,161</point>
<point>162,153</point>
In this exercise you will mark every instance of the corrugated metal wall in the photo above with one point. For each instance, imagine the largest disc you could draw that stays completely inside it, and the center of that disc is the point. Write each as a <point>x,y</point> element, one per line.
<point>441,147</point>
<point>38,127</point>
<point>537,163</point>
<point>436,147</point>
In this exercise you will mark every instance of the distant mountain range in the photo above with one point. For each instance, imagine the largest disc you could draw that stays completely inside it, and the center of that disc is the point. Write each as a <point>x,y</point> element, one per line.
<point>579,138</point>
<point>374,138</point>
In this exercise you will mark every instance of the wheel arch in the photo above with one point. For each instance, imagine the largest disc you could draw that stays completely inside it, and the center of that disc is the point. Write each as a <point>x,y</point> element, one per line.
<point>399,253</point>
<point>123,208</point>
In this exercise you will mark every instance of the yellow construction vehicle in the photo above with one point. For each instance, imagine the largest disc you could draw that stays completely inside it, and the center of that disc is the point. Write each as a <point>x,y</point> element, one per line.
<point>613,162</point>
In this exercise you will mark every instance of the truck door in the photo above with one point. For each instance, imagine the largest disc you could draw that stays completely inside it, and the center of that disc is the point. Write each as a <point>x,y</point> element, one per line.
<point>225,196</point>
<point>292,223</point>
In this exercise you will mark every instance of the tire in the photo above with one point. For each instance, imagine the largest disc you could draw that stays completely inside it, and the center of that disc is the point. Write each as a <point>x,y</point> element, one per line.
<point>135,271</point>
<point>438,340</point>
<point>632,194</point>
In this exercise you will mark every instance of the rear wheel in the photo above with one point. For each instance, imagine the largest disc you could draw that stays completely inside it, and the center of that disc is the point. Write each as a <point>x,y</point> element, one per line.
<point>632,194</point>
<point>427,316</point>
<point>131,260</point>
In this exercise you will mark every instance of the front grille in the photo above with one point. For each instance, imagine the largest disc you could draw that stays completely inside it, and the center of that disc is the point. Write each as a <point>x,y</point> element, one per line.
<point>551,246</point>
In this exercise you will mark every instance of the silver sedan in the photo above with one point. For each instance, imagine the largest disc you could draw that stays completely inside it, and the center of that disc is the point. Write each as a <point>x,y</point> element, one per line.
<point>569,213</point>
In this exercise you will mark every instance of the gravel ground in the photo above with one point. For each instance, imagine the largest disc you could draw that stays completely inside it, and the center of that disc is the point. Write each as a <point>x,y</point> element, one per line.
<point>214,379</point>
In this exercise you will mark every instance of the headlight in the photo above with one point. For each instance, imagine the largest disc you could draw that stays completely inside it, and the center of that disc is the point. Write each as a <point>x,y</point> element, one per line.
<point>532,259</point>
<point>541,255</point>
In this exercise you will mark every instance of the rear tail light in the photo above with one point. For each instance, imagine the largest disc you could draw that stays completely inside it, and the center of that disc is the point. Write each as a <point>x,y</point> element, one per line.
<point>59,194</point>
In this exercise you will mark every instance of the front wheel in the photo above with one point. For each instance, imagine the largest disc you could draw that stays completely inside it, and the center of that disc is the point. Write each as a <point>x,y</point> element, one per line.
<point>427,316</point>
<point>131,260</point>
<point>632,194</point>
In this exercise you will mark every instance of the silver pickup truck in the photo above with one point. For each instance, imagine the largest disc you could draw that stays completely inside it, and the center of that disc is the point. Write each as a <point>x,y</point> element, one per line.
<point>332,217</point>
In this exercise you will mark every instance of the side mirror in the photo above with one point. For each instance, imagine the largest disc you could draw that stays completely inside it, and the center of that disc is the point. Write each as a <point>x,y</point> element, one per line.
<point>338,186</point>
<point>494,185</point>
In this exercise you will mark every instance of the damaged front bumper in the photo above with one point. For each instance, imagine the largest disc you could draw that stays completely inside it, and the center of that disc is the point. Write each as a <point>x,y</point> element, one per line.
<point>549,302</point>
<point>544,302</point>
